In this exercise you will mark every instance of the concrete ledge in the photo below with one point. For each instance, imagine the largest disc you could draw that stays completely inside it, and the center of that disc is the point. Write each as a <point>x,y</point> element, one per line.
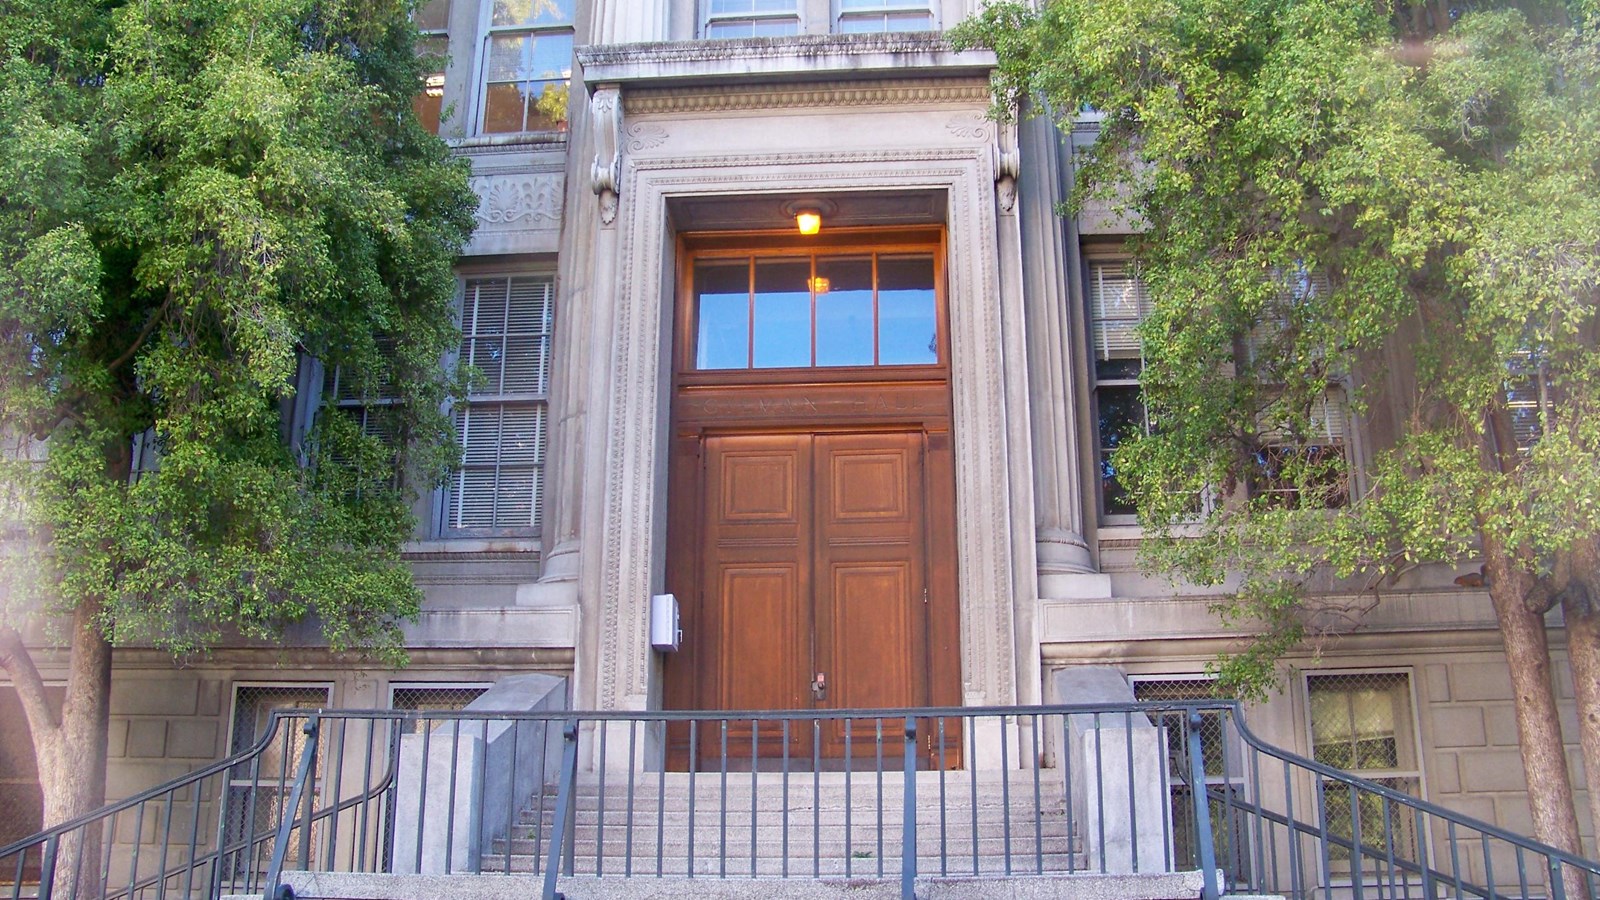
<point>339,886</point>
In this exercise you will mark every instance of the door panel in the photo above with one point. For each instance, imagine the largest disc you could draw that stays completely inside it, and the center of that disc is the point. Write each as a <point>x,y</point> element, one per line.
<point>757,571</point>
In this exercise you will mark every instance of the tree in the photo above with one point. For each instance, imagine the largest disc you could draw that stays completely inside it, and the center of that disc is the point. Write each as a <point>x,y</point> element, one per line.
<point>200,199</point>
<point>1401,201</point>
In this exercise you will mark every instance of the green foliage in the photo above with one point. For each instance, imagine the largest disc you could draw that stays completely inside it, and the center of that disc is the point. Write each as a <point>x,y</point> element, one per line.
<point>1443,177</point>
<point>197,197</point>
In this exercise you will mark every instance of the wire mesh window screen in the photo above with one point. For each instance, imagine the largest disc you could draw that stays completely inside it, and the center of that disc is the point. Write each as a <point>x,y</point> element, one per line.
<point>506,326</point>
<point>1363,722</point>
<point>259,789</point>
<point>428,698</point>
<point>1222,755</point>
<point>21,800</point>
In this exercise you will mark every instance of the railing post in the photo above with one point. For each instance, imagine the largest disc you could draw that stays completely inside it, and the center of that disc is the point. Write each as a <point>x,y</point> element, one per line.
<point>1202,807</point>
<point>280,844</point>
<point>908,824</point>
<point>47,866</point>
<point>565,801</point>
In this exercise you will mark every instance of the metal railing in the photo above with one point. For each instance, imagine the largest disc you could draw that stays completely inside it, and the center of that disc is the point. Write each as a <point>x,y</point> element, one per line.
<point>884,794</point>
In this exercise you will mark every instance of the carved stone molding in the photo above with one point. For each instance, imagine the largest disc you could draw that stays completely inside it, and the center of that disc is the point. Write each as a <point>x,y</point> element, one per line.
<point>802,96</point>
<point>627,570</point>
<point>605,108</point>
<point>509,202</point>
<point>971,126</point>
<point>819,45</point>
<point>645,136</point>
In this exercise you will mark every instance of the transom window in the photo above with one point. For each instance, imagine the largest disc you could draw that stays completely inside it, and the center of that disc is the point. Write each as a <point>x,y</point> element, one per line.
<point>815,310</point>
<point>527,65</point>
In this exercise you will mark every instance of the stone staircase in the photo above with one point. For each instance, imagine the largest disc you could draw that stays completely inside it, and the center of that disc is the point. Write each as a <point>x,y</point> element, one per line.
<point>827,825</point>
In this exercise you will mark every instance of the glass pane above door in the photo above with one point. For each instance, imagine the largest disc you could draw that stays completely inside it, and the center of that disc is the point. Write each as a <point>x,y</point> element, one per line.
<point>822,310</point>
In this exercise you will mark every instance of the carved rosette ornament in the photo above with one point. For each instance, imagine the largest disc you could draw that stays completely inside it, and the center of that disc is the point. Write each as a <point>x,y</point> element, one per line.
<point>605,112</point>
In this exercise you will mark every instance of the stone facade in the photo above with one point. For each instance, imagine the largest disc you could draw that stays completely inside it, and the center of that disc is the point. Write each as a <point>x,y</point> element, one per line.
<point>667,134</point>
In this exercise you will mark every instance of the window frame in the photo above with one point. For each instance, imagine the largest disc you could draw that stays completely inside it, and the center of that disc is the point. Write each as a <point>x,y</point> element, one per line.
<point>240,783</point>
<point>481,42</point>
<point>706,19</point>
<point>841,15</point>
<point>1091,260</point>
<point>1340,869</point>
<point>425,35</point>
<point>443,509</point>
<point>1234,858</point>
<point>894,241</point>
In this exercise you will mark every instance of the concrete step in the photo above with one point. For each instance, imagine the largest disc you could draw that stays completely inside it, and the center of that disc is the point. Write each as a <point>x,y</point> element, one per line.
<point>863,865</point>
<point>331,886</point>
<point>772,844</point>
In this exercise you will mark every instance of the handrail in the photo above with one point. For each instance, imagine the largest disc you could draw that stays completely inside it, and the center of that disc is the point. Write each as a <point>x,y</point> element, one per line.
<point>1403,799</point>
<point>267,735</point>
<point>280,845</point>
<point>1374,831</point>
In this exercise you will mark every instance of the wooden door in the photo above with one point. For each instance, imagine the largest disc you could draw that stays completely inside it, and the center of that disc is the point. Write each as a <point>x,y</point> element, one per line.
<point>812,558</point>
<point>871,579</point>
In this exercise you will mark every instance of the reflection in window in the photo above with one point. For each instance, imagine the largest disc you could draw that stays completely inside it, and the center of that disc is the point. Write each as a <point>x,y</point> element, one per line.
<point>751,18</point>
<point>860,16</point>
<point>528,66</point>
<point>433,22</point>
<point>825,311</point>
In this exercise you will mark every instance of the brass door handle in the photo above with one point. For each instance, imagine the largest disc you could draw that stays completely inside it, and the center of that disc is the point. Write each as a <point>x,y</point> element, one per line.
<point>819,687</point>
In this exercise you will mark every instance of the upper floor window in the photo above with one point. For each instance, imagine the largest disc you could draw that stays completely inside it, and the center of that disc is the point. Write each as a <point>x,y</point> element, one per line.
<point>884,15</point>
<point>433,21</point>
<point>751,18</point>
<point>1307,470</point>
<point>527,66</point>
<point>1118,302</point>
<point>505,325</point>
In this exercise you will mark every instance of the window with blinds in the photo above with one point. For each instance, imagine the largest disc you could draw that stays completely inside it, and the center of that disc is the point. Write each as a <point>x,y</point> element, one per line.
<point>1118,301</point>
<point>505,326</point>
<point>1305,465</point>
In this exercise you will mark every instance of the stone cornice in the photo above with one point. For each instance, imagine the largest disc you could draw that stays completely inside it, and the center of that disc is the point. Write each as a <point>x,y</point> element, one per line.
<point>902,92</point>
<point>762,59</point>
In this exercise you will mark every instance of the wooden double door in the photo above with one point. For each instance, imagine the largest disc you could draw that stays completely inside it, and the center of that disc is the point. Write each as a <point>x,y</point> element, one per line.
<point>810,581</point>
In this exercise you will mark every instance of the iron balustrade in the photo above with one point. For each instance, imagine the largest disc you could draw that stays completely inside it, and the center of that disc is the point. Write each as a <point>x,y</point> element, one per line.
<point>899,794</point>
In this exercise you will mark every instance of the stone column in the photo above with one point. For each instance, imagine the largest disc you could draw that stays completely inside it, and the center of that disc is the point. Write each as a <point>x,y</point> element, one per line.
<point>1052,375</point>
<point>1015,335</point>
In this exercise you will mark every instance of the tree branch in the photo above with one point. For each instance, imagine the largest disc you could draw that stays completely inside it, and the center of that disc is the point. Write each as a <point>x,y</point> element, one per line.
<point>18,663</point>
<point>144,333</point>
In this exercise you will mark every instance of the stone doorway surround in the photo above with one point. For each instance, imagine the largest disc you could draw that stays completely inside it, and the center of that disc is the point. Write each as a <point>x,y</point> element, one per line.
<point>662,149</point>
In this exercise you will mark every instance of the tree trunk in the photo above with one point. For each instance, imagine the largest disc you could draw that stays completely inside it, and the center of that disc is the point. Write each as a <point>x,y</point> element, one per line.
<point>1544,757</point>
<point>69,746</point>
<point>1580,606</point>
